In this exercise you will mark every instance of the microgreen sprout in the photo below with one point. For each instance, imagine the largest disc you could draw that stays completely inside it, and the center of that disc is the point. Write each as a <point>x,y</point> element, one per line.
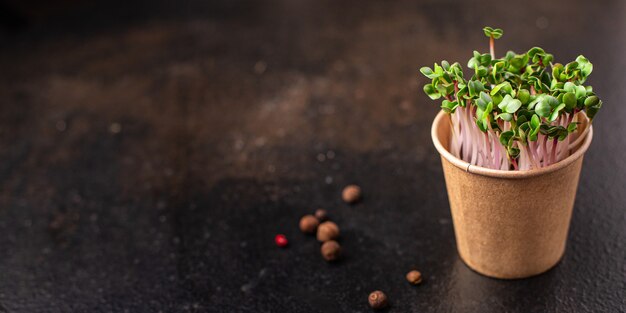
<point>516,112</point>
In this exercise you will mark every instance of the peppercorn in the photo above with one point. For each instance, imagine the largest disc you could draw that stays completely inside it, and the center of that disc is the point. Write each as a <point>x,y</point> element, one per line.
<point>327,231</point>
<point>351,194</point>
<point>377,300</point>
<point>308,224</point>
<point>331,250</point>
<point>281,240</point>
<point>321,215</point>
<point>414,277</point>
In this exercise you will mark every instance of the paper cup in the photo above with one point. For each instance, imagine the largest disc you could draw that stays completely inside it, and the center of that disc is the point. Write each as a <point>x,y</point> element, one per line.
<point>509,224</point>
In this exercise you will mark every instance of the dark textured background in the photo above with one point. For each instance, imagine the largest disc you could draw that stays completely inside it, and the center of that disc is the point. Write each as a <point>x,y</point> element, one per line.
<point>151,151</point>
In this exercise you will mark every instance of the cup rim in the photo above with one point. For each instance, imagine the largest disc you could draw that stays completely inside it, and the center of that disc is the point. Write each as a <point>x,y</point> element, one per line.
<point>475,169</point>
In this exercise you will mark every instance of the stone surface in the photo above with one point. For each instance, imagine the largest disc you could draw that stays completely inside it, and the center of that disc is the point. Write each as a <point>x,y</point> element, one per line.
<point>152,150</point>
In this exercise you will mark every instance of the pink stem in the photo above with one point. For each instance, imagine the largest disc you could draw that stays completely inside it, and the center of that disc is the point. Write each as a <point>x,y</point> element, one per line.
<point>553,152</point>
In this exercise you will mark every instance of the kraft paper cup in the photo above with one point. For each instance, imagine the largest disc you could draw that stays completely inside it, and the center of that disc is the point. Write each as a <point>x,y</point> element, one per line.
<point>509,224</point>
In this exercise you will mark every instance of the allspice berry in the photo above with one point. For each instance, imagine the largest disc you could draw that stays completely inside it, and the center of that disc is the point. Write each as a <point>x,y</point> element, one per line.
<point>321,215</point>
<point>308,224</point>
<point>377,300</point>
<point>331,250</point>
<point>414,277</point>
<point>327,231</point>
<point>351,194</point>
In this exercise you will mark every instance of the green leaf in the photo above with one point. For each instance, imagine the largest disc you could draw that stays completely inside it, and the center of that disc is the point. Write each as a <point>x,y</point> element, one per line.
<point>593,110</point>
<point>432,92</point>
<point>505,116</point>
<point>534,51</point>
<point>513,106</point>
<point>534,100</point>
<point>485,97</point>
<point>518,63</point>
<point>570,100</point>
<point>521,117</point>
<point>497,68</point>
<point>544,77</point>
<point>547,58</point>
<point>509,105</point>
<point>555,84</point>
<point>438,70</point>
<point>488,109</point>
<point>475,87</point>
<point>522,131</point>
<point>481,71</point>
<point>488,31</point>
<point>497,33</point>
<point>505,137</point>
<point>552,101</point>
<point>443,88</point>
<point>581,59</point>
<point>532,135</point>
<point>428,72</point>
<point>555,114</point>
<point>497,88</point>
<point>587,69</point>
<point>543,109</point>
<point>571,66</point>
<point>445,77</point>
<point>473,62</point>
<point>483,100</point>
<point>513,152</point>
<point>445,65</point>
<point>457,71</point>
<point>572,127</point>
<point>557,69</point>
<point>485,59</point>
<point>462,93</point>
<point>482,124</point>
<point>524,96</point>
<point>585,66</point>
<point>535,121</point>
<point>449,106</point>
<point>591,101</point>
<point>497,98</point>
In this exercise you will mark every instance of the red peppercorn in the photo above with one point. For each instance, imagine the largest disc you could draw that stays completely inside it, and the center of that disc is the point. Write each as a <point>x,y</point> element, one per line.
<point>281,240</point>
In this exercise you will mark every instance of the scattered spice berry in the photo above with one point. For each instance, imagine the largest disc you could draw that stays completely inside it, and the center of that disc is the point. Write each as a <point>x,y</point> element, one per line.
<point>321,215</point>
<point>351,193</point>
<point>331,250</point>
<point>327,231</point>
<point>308,224</point>
<point>414,277</point>
<point>377,300</point>
<point>281,240</point>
